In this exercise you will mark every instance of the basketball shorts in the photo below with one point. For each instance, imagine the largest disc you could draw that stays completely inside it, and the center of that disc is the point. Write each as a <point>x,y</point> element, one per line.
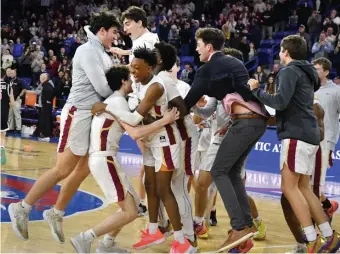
<point>209,159</point>
<point>111,179</point>
<point>189,153</point>
<point>318,178</point>
<point>4,117</point>
<point>75,128</point>
<point>298,155</point>
<point>165,158</point>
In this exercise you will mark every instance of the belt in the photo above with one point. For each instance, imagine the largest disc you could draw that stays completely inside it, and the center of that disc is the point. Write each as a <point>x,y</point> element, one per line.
<point>247,116</point>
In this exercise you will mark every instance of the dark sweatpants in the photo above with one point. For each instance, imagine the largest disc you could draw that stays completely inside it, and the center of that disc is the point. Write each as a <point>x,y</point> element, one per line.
<point>226,170</point>
<point>46,120</point>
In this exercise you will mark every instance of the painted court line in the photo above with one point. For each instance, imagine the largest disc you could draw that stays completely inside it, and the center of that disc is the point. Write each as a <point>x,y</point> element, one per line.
<point>273,247</point>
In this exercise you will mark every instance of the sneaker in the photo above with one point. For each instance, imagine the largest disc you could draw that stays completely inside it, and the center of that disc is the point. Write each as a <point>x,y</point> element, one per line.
<point>317,246</point>
<point>19,219</point>
<point>243,247</point>
<point>55,222</point>
<point>235,238</point>
<point>142,210</point>
<point>149,240</point>
<point>299,248</point>
<point>166,231</point>
<point>261,230</point>
<point>201,230</point>
<point>3,156</point>
<point>333,242</point>
<point>47,139</point>
<point>110,247</point>
<point>213,219</point>
<point>194,243</point>
<point>334,207</point>
<point>80,244</point>
<point>177,247</point>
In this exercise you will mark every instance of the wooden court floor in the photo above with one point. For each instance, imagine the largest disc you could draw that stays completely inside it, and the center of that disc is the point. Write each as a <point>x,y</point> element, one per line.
<point>33,164</point>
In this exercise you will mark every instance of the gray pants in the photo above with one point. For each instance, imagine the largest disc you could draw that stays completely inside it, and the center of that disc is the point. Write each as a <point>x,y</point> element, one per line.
<point>226,170</point>
<point>14,116</point>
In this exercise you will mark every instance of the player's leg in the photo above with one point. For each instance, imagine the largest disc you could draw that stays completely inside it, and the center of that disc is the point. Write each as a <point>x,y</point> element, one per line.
<point>4,128</point>
<point>54,216</point>
<point>142,209</point>
<point>118,189</point>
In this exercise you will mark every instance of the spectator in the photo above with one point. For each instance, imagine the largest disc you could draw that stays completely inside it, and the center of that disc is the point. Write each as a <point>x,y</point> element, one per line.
<point>45,119</point>
<point>270,87</point>
<point>281,12</point>
<point>302,32</point>
<point>191,74</point>
<point>329,23</point>
<point>33,29</point>
<point>7,59</point>
<point>4,45</point>
<point>260,75</point>
<point>267,22</point>
<point>185,72</point>
<point>293,20</point>
<point>260,7</point>
<point>235,41</point>
<point>18,51</point>
<point>66,85</point>
<point>322,48</point>
<point>314,26</point>
<point>336,58</point>
<point>36,67</point>
<point>252,51</point>
<point>244,48</point>
<point>276,69</point>
<point>19,90</point>
<point>330,36</point>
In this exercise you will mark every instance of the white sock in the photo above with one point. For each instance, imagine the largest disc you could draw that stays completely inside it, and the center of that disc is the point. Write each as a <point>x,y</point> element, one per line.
<point>326,229</point>
<point>58,212</point>
<point>142,201</point>
<point>179,236</point>
<point>163,223</point>
<point>258,219</point>
<point>90,235</point>
<point>198,220</point>
<point>25,205</point>
<point>108,238</point>
<point>310,233</point>
<point>153,227</point>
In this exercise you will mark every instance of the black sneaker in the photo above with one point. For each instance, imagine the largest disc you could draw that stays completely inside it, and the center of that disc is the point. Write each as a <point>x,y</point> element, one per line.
<point>213,220</point>
<point>142,210</point>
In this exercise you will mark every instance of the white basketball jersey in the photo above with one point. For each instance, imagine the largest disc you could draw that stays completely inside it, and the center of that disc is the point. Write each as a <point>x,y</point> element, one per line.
<point>105,130</point>
<point>167,135</point>
<point>147,40</point>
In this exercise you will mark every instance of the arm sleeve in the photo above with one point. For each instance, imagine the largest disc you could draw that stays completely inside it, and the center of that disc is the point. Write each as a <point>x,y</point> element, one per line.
<point>287,80</point>
<point>208,110</point>
<point>94,70</point>
<point>197,90</point>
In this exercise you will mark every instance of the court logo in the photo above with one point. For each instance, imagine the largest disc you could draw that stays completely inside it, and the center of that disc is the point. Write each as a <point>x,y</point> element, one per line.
<point>14,188</point>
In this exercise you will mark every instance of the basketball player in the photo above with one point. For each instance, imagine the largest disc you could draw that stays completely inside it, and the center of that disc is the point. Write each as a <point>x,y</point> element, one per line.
<point>135,25</point>
<point>329,97</point>
<point>89,85</point>
<point>104,144</point>
<point>7,99</point>
<point>320,166</point>
<point>300,134</point>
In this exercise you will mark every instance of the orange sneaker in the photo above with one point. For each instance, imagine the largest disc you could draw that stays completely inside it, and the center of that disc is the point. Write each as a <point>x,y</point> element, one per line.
<point>201,230</point>
<point>177,247</point>
<point>149,239</point>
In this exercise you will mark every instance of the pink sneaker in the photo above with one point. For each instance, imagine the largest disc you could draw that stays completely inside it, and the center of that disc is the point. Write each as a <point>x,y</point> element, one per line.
<point>330,211</point>
<point>177,247</point>
<point>149,240</point>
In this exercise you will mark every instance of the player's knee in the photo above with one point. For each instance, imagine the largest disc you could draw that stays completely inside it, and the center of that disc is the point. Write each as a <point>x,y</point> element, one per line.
<point>149,186</point>
<point>201,187</point>
<point>62,172</point>
<point>163,191</point>
<point>131,214</point>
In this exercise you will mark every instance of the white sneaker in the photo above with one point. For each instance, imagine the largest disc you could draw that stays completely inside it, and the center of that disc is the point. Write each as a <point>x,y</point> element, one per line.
<point>299,248</point>
<point>47,139</point>
<point>80,244</point>
<point>55,222</point>
<point>19,219</point>
<point>110,247</point>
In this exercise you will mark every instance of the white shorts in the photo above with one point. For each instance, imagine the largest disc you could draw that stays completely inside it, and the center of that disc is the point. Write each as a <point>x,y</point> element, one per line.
<point>75,127</point>
<point>298,155</point>
<point>318,178</point>
<point>111,179</point>
<point>168,156</point>
<point>209,159</point>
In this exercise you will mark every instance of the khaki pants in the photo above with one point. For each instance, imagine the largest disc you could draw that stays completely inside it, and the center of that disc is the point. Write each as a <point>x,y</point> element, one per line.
<point>14,117</point>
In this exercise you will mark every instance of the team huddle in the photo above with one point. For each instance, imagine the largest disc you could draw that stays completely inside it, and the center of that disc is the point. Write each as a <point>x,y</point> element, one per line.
<point>146,100</point>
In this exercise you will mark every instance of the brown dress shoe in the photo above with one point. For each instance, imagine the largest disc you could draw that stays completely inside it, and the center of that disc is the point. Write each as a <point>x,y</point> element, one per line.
<point>235,238</point>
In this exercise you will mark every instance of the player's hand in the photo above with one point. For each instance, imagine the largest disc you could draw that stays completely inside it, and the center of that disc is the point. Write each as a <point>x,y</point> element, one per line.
<point>221,132</point>
<point>253,84</point>
<point>171,116</point>
<point>98,108</point>
<point>115,50</point>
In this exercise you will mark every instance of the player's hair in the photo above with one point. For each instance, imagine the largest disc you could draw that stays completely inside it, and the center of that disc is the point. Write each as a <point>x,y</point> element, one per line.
<point>136,14</point>
<point>212,36</point>
<point>168,54</point>
<point>234,53</point>
<point>146,54</point>
<point>3,73</point>
<point>324,62</point>
<point>296,47</point>
<point>116,74</point>
<point>105,19</point>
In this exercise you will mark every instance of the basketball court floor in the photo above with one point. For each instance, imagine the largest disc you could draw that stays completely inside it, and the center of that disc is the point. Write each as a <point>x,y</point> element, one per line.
<point>28,159</point>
